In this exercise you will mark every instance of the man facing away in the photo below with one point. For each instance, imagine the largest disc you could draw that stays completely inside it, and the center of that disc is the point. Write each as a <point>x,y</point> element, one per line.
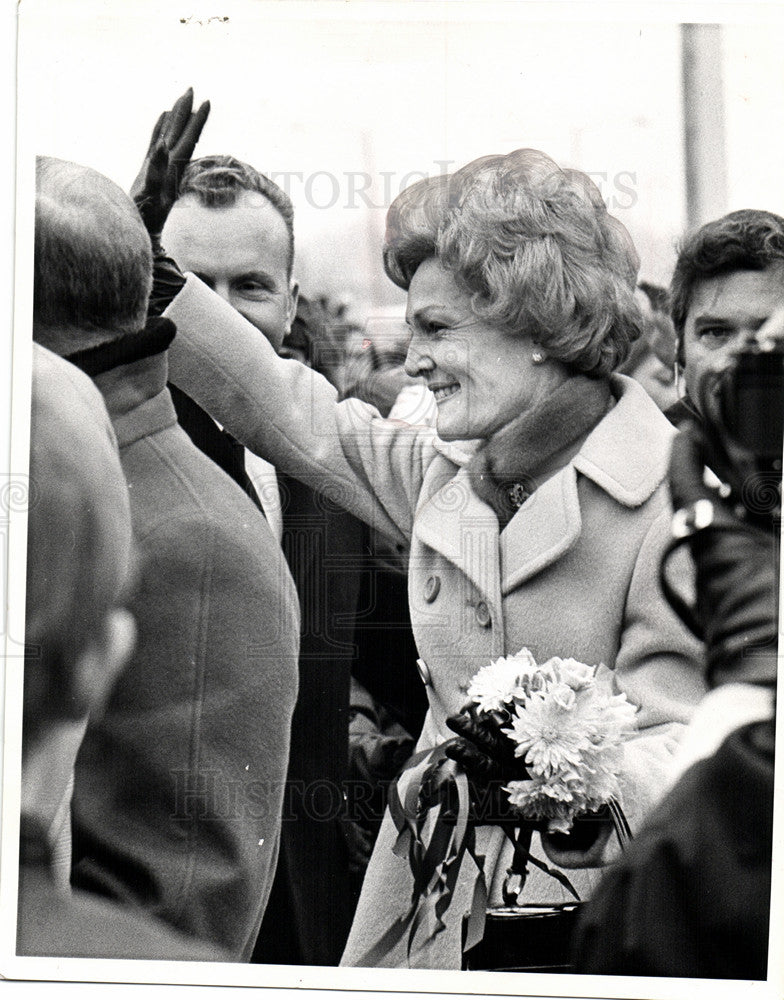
<point>79,636</point>
<point>178,789</point>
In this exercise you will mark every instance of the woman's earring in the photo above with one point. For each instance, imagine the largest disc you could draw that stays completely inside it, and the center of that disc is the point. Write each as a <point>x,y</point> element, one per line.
<point>537,357</point>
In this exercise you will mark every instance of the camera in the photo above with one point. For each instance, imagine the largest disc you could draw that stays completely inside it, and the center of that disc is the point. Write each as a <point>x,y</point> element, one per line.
<point>743,410</point>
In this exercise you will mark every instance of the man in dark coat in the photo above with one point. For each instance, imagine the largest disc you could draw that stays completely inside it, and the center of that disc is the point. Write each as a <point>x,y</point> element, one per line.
<point>179,788</point>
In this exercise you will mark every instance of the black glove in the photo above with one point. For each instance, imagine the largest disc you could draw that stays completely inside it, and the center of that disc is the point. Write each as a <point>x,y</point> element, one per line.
<point>171,146</point>
<point>167,282</point>
<point>736,562</point>
<point>487,757</point>
<point>155,189</point>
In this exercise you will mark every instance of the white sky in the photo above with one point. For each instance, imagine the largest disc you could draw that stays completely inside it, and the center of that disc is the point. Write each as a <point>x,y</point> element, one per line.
<point>328,90</point>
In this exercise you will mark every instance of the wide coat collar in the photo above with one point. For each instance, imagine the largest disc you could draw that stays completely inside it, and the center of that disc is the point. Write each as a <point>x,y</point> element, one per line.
<point>626,455</point>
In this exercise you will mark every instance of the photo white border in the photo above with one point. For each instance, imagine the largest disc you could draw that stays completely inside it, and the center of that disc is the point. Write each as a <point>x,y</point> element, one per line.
<point>365,980</point>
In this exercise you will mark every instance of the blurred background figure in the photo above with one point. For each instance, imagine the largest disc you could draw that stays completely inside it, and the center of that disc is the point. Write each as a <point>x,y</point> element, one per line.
<point>178,788</point>
<point>651,360</point>
<point>234,229</point>
<point>386,704</point>
<point>375,371</point>
<point>388,701</point>
<point>78,637</point>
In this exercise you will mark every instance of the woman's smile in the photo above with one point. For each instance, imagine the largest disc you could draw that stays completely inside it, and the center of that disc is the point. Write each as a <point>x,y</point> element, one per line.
<point>443,390</point>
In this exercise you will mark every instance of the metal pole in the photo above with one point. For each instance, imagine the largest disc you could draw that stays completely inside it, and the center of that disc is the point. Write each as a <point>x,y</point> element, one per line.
<point>703,123</point>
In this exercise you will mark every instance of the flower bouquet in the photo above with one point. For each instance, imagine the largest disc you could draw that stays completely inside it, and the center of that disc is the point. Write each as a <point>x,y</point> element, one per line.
<point>539,746</point>
<point>567,727</point>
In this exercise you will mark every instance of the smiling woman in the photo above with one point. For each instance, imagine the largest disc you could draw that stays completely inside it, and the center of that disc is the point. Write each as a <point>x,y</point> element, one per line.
<point>535,516</point>
<point>517,278</point>
<point>458,355</point>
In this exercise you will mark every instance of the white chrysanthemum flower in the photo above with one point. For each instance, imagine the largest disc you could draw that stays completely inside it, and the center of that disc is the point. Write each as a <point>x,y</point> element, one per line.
<point>495,685</point>
<point>564,696</point>
<point>550,737</point>
<point>539,798</point>
<point>521,792</point>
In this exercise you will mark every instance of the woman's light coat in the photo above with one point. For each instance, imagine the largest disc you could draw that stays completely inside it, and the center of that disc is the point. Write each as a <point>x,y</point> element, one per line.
<point>575,572</point>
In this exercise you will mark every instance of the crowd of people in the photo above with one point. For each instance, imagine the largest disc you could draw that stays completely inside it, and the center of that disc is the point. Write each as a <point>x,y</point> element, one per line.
<point>270,553</point>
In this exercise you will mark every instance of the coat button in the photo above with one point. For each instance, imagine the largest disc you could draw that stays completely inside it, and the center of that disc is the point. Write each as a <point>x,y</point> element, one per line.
<point>432,588</point>
<point>483,614</point>
<point>424,671</point>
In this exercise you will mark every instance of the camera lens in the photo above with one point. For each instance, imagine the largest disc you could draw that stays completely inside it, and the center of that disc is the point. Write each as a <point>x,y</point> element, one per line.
<point>751,402</point>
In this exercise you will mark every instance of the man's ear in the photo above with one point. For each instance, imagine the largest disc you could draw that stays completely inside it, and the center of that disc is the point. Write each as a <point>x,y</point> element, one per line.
<point>101,663</point>
<point>291,312</point>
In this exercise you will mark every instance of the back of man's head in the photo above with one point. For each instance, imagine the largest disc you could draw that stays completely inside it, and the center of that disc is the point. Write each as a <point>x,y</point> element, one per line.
<point>746,240</point>
<point>93,261</point>
<point>218,181</point>
<point>79,543</point>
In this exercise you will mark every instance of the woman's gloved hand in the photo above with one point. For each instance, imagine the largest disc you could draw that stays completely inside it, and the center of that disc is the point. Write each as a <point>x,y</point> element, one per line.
<point>156,188</point>
<point>173,140</point>
<point>486,754</point>
<point>487,757</point>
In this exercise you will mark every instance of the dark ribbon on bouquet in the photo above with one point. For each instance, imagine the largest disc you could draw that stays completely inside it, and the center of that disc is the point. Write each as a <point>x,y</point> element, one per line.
<point>521,841</point>
<point>436,792</point>
<point>435,864</point>
<point>622,829</point>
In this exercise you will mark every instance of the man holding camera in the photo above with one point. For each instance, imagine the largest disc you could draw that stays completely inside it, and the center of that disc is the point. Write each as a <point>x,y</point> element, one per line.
<point>692,895</point>
<point>728,281</point>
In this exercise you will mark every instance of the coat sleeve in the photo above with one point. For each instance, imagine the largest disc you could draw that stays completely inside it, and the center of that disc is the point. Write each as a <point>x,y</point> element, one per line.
<point>660,668</point>
<point>289,414</point>
<point>179,789</point>
<point>692,895</point>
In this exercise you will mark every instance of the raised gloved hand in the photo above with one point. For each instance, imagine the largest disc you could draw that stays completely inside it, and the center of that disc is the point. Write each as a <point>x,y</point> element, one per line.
<point>171,146</point>
<point>736,562</point>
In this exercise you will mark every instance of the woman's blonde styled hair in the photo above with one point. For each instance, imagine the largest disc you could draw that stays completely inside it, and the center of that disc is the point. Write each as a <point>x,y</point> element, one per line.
<point>535,247</point>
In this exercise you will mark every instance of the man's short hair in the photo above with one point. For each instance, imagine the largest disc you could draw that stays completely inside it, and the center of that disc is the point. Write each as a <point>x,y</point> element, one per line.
<point>79,546</point>
<point>746,240</point>
<point>93,261</point>
<point>218,181</point>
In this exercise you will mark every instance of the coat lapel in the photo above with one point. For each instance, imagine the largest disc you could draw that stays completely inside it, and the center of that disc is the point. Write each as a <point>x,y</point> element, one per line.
<point>626,455</point>
<point>463,529</point>
<point>546,526</point>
